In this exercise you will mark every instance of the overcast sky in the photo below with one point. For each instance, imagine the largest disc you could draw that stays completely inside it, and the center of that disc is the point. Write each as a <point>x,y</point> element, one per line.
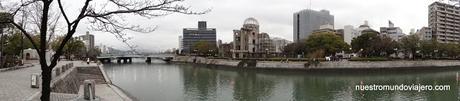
<point>275,17</point>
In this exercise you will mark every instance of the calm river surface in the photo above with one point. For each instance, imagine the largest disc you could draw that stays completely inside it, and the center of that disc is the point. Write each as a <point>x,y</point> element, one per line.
<point>189,82</point>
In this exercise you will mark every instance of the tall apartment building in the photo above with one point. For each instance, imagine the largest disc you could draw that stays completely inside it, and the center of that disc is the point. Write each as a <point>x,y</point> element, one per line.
<point>444,19</point>
<point>307,20</point>
<point>88,39</point>
<point>193,35</point>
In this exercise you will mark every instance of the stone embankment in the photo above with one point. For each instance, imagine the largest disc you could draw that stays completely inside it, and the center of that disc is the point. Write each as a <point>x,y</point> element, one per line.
<point>68,79</point>
<point>321,65</point>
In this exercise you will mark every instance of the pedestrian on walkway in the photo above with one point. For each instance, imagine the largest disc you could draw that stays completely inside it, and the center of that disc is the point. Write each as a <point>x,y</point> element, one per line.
<point>87,61</point>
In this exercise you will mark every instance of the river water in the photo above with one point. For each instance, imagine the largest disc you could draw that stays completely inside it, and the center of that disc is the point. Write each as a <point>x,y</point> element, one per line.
<point>189,82</point>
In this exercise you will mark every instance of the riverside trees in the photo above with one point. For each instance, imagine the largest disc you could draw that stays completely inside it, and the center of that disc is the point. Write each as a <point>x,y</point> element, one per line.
<point>371,44</point>
<point>203,48</point>
<point>375,45</point>
<point>317,45</point>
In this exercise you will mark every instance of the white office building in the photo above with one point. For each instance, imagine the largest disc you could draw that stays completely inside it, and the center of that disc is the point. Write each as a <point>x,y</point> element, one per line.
<point>349,32</point>
<point>395,33</point>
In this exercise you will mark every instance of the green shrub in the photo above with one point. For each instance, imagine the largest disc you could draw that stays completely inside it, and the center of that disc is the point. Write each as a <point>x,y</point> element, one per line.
<point>370,59</point>
<point>282,59</point>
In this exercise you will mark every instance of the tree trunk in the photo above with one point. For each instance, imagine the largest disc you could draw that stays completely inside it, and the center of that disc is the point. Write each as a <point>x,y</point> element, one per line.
<point>46,81</point>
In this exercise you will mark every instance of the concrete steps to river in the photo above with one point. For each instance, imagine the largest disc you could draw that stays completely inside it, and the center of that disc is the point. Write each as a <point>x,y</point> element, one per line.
<point>67,85</point>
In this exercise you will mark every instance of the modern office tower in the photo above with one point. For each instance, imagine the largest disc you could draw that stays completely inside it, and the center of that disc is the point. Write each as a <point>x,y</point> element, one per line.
<point>245,40</point>
<point>425,33</point>
<point>444,20</point>
<point>88,39</point>
<point>193,35</point>
<point>307,20</point>
<point>395,33</point>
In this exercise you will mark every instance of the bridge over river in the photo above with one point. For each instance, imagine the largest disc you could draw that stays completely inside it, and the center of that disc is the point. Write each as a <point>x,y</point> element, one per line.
<point>120,58</point>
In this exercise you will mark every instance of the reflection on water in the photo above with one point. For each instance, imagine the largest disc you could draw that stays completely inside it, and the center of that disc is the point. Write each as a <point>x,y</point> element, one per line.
<point>186,82</point>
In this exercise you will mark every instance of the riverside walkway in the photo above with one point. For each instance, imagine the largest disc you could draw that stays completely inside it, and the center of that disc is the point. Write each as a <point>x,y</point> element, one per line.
<point>15,84</point>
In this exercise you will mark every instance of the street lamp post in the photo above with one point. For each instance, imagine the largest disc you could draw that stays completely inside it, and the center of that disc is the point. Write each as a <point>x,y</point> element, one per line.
<point>196,52</point>
<point>436,53</point>
<point>266,52</point>
<point>209,53</point>
<point>396,52</point>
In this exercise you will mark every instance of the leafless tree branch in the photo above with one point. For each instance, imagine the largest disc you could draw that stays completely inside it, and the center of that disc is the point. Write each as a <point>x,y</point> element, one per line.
<point>104,19</point>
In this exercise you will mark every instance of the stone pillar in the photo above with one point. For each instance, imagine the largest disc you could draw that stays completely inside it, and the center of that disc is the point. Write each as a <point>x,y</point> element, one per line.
<point>149,60</point>
<point>35,77</point>
<point>89,91</point>
<point>125,60</point>
<point>64,68</point>
<point>58,71</point>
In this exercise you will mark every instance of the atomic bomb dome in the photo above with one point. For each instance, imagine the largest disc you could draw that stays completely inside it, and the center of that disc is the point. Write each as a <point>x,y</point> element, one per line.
<point>251,21</point>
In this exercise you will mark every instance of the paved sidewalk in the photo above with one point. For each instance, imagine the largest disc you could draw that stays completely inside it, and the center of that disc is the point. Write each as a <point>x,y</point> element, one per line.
<point>15,84</point>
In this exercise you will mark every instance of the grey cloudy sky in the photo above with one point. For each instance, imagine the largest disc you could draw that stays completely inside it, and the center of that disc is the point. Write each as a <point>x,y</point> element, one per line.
<point>275,17</point>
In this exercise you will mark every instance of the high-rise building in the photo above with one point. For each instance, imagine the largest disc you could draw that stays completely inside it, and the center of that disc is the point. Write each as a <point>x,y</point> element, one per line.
<point>425,33</point>
<point>193,35</point>
<point>395,33</point>
<point>444,20</point>
<point>307,20</point>
<point>88,39</point>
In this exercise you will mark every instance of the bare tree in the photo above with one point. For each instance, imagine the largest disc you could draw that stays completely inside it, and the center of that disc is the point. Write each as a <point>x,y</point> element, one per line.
<point>107,18</point>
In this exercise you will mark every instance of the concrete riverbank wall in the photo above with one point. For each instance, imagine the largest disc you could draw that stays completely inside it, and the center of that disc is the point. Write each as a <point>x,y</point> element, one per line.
<point>68,79</point>
<point>320,65</point>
